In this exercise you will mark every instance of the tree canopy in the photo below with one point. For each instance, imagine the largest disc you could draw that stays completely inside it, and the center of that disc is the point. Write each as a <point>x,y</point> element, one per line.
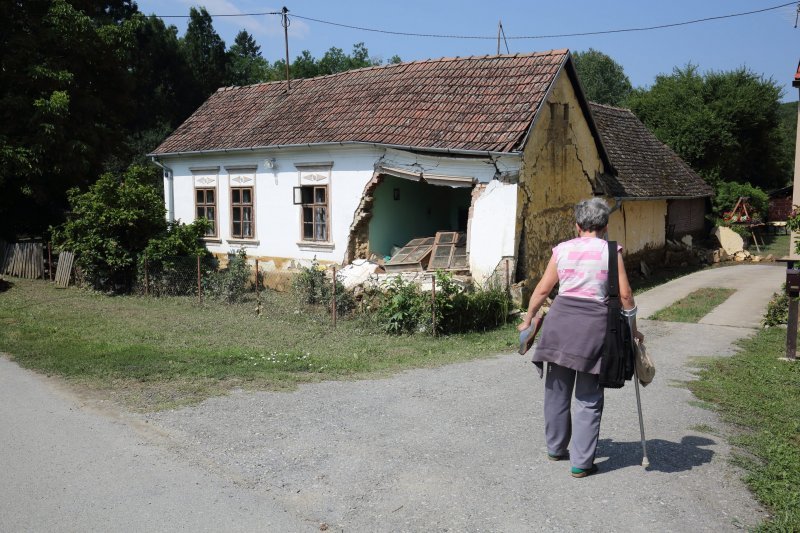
<point>91,86</point>
<point>724,124</point>
<point>604,80</point>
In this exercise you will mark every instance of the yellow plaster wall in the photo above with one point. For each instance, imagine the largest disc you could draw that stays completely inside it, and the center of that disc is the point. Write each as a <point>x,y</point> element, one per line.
<point>560,163</point>
<point>639,226</point>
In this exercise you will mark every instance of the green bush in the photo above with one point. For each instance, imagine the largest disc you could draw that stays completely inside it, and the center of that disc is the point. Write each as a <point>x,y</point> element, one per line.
<point>168,264</point>
<point>230,283</point>
<point>407,309</point>
<point>404,308</point>
<point>110,225</point>
<point>777,309</point>
<point>728,193</point>
<point>312,287</point>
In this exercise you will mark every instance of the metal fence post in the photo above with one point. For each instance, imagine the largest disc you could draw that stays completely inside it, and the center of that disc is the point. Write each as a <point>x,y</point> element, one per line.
<point>792,292</point>
<point>508,279</point>
<point>50,261</point>
<point>333,298</point>
<point>199,288</point>
<point>146,277</point>
<point>433,303</point>
<point>258,293</point>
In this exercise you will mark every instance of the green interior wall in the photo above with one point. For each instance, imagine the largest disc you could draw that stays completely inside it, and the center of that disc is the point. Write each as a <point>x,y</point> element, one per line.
<point>420,211</point>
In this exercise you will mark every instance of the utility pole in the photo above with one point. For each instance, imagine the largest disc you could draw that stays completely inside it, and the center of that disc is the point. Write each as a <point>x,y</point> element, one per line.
<point>501,31</point>
<point>285,24</point>
<point>792,273</point>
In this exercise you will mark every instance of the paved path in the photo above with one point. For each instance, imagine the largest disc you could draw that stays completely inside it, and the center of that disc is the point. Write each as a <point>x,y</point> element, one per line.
<point>453,448</point>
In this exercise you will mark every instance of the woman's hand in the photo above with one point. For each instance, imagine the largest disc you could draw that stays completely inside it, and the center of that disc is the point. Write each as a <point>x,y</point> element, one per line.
<point>639,336</point>
<point>525,324</point>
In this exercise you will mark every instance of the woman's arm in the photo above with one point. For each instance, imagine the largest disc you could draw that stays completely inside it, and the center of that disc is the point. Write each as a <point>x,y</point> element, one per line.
<point>626,296</point>
<point>540,293</point>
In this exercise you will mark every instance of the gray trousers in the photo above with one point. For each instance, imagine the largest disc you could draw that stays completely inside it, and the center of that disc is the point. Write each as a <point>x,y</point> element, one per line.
<point>578,430</point>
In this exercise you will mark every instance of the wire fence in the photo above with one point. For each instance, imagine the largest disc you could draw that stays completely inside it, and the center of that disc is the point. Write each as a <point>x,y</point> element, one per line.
<point>314,288</point>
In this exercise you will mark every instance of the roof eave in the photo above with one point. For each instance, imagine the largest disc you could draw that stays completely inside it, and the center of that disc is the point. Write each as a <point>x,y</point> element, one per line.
<point>457,151</point>
<point>650,198</point>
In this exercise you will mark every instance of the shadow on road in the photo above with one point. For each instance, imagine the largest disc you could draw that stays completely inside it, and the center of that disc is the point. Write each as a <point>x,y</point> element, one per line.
<point>665,456</point>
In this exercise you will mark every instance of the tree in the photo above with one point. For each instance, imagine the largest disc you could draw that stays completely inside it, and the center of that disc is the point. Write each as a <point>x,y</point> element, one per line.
<point>334,61</point>
<point>110,225</point>
<point>304,66</point>
<point>65,102</point>
<point>724,124</point>
<point>204,51</point>
<point>603,79</point>
<point>245,64</point>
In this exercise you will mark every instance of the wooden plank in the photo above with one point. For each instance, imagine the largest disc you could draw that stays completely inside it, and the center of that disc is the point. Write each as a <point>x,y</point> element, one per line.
<point>64,269</point>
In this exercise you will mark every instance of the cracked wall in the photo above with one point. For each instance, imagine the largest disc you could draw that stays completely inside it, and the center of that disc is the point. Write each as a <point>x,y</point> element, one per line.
<point>639,226</point>
<point>560,163</point>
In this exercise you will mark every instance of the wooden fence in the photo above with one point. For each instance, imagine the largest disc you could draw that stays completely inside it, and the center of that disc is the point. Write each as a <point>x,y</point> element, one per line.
<point>22,259</point>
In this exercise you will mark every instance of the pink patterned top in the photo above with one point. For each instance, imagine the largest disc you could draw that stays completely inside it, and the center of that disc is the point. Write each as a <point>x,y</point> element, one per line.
<point>582,265</point>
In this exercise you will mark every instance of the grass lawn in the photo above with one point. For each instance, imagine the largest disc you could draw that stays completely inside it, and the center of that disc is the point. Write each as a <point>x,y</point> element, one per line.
<point>694,306</point>
<point>151,353</point>
<point>777,245</point>
<point>760,396</point>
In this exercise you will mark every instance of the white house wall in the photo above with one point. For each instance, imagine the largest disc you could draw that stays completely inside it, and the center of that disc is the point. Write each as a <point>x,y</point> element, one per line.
<point>277,219</point>
<point>492,228</point>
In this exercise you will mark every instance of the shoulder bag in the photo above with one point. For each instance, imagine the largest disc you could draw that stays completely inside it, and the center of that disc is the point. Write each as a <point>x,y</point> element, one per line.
<point>617,362</point>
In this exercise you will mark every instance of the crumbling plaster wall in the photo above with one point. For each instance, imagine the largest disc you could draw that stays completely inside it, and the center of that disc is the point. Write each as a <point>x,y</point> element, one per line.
<point>639,225</point>
<point>560,164</point>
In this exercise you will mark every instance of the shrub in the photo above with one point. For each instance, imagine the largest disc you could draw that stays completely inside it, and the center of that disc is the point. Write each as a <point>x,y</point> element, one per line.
<point>110,225</point>
<point>460,310</point>
<point>230,283</point>
<point>777,310</point>
<point>729,192</point>
<point>171,259</point>
<point>311,287</point>
<point>406,309</point>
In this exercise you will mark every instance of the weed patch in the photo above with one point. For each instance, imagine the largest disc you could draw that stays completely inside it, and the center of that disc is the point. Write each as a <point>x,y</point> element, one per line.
<point>693,307</point>
<point>760,394</point>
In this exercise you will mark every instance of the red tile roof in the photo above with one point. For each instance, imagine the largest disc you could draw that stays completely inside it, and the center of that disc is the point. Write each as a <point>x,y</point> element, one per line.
<point>474,103</point>
<point>644,166</point>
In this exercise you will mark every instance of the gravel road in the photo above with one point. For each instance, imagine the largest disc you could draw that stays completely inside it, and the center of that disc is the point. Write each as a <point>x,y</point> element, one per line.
<point>456,448</point>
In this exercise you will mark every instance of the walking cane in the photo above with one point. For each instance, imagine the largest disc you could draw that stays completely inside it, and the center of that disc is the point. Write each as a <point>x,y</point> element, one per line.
<point>645,460</point>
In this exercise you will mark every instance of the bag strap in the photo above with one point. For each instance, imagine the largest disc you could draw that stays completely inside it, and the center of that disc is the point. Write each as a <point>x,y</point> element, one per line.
<point>613,270</point>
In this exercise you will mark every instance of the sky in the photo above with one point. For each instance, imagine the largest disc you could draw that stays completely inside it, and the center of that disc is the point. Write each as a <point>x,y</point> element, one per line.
<point>766,43</point>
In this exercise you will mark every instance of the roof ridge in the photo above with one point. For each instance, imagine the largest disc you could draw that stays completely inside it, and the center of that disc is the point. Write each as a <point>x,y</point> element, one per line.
<point>607,106</point>
<point>553,52</point>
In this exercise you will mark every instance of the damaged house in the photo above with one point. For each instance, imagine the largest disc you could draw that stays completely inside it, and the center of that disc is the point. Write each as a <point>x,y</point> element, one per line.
<point>468,164</point>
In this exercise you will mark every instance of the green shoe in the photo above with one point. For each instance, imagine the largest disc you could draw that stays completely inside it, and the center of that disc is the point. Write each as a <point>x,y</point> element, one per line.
<point>583,472</point>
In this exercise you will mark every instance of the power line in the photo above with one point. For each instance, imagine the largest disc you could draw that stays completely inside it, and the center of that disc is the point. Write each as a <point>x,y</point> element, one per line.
<point>223,15</point>
<point>451,36</point>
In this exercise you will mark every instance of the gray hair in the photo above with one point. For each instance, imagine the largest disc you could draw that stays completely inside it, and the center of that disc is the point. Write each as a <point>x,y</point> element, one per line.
<point>592,214</point>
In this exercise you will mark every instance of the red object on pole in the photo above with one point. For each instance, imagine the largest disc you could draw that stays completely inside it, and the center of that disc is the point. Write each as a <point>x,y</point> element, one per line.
<point>333,299</point>
<point>433,304</point>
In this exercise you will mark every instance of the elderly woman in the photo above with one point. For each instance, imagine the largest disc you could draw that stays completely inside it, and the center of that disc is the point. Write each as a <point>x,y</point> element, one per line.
<point>573,335</point>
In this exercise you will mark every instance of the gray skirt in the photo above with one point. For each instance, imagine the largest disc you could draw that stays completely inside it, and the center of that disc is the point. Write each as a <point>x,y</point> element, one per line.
<point>573,334</point>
